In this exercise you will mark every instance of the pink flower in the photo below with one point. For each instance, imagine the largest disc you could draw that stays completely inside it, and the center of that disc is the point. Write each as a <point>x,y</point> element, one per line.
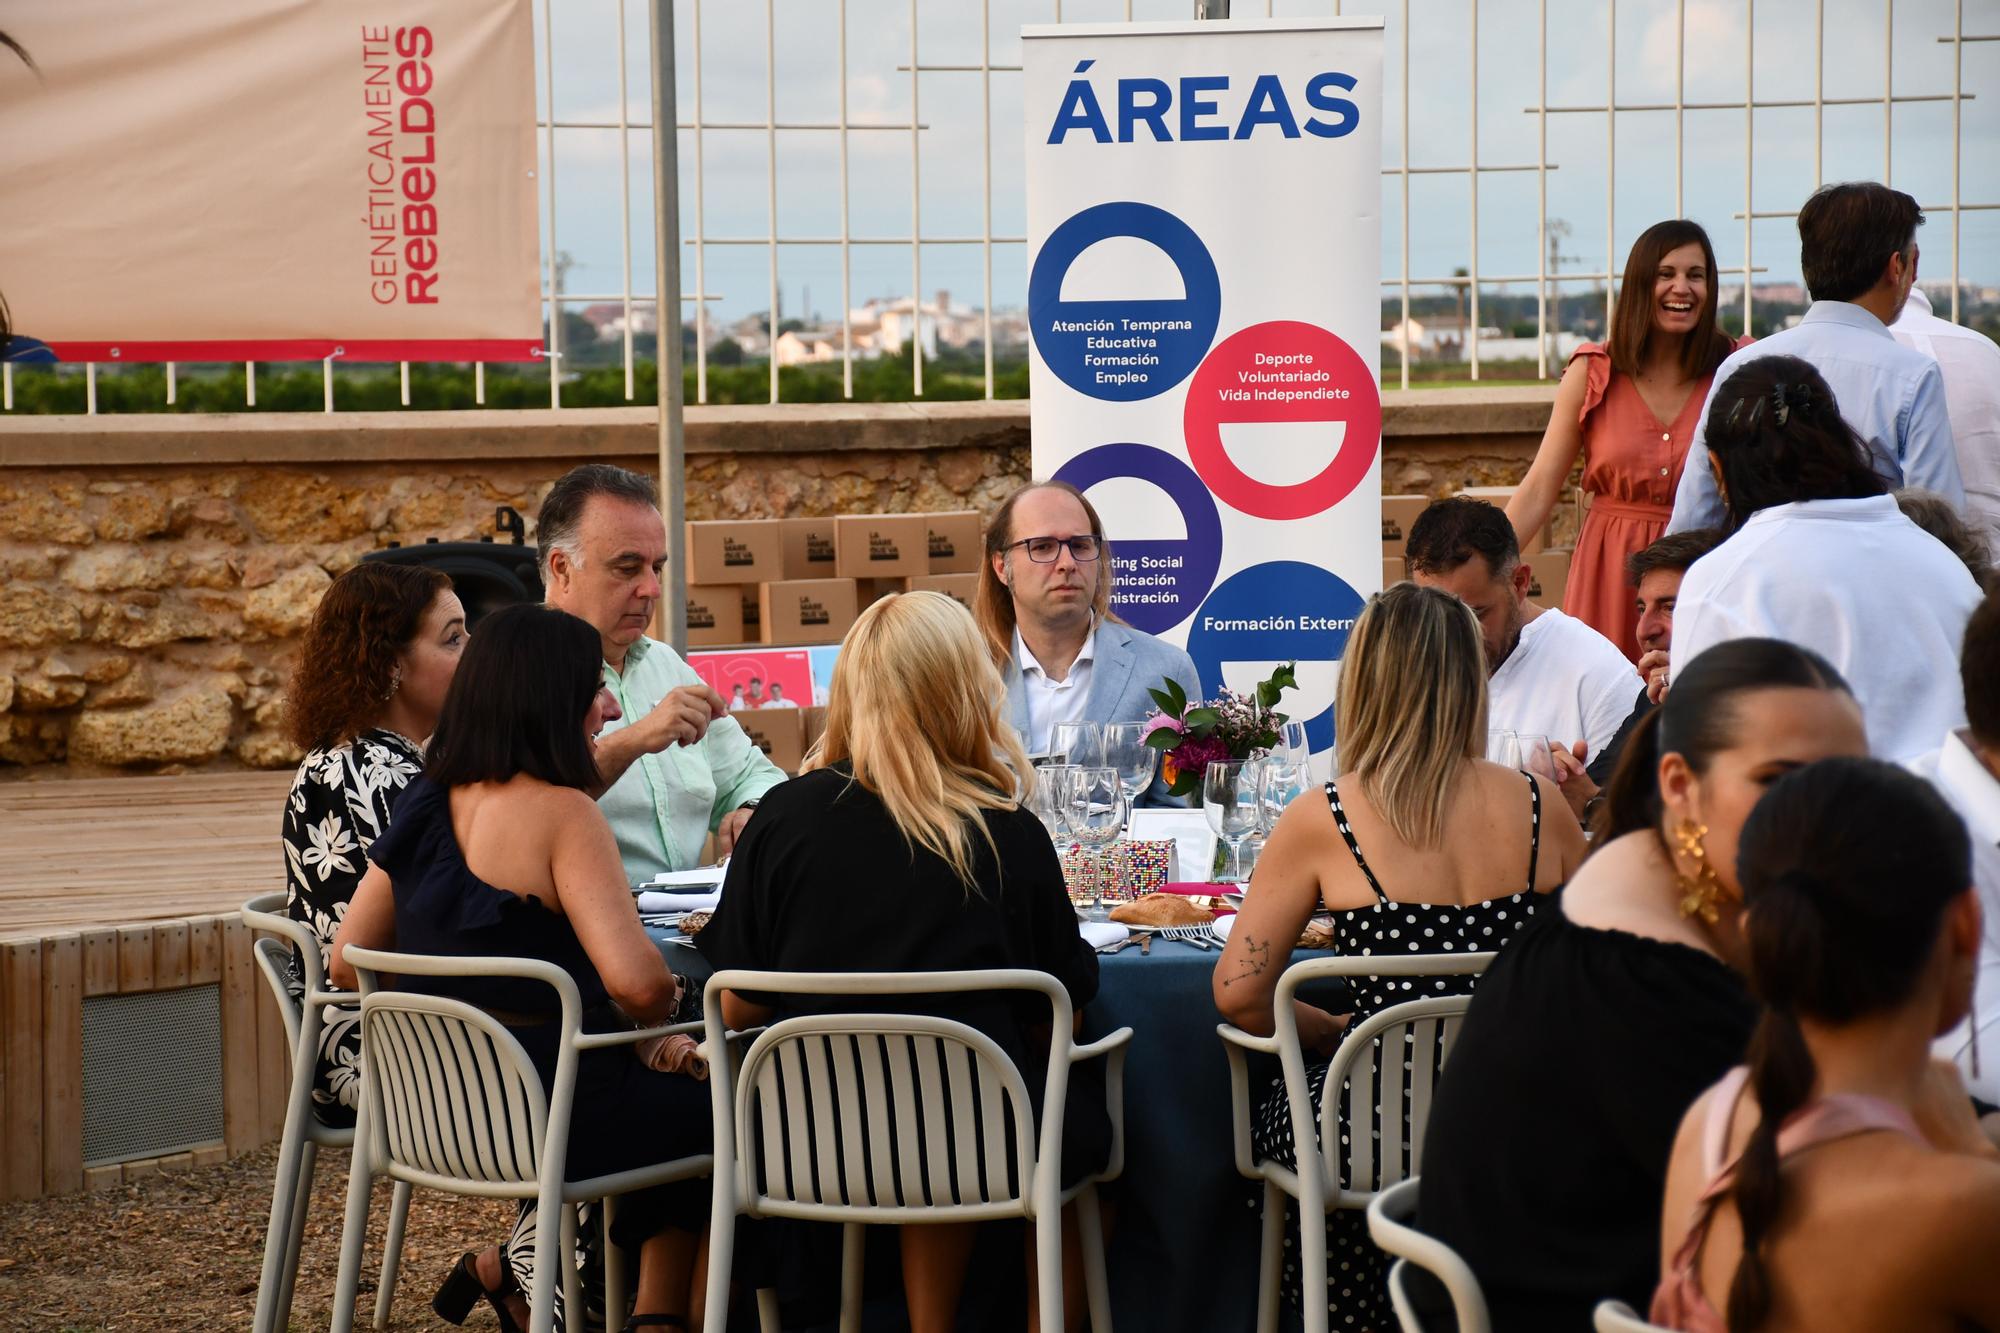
<point>1160,721</point>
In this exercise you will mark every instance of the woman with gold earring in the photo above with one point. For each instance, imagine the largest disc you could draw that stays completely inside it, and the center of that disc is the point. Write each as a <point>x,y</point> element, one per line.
<point>1545,1160</point>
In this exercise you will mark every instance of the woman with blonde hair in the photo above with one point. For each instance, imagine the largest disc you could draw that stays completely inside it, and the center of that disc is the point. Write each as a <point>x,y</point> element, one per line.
<point>1458,850</point>
<point>904,847</point>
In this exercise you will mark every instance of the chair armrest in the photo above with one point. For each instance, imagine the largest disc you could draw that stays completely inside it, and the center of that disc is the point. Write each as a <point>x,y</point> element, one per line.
<point>590,1041</point>
<point>1235,1041</point>
<point>1105,1045</point>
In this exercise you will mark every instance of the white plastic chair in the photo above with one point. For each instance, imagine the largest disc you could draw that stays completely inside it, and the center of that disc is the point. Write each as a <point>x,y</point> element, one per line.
<point>1433,1023</point>
<point>450,1101</point>
<point>899,1119</point>
<point>1391,1222</point>
<point>1618,1317</point>
<point>304,1134</point>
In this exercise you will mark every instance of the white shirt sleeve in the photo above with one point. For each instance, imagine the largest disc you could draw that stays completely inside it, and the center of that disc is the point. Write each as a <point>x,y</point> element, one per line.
<point>1697,502</point>
<point>1930,458</point>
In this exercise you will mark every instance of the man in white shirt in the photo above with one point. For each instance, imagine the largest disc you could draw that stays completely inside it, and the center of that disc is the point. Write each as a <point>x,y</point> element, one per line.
<point>1969,361</point>
<point>1550,674</point>
<point>1044,605</point>
<point>1966,772</point>
<point>1858,252</point>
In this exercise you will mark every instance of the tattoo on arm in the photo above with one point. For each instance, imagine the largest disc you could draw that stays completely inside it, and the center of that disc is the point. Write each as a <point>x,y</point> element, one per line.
<point>1257,960</point>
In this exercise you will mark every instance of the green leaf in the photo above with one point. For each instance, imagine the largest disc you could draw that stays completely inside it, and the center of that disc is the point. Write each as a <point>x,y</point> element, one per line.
<point>1165,702</point>
<point>1185,784</point>
<point>1163,738</point>
<point>1180,696</point>
<point>1202,717</point>
<point>1286,676</point>
<point>1267,694</point>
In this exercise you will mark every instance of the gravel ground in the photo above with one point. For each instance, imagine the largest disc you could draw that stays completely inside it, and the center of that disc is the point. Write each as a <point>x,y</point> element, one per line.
<point>182,1251</point>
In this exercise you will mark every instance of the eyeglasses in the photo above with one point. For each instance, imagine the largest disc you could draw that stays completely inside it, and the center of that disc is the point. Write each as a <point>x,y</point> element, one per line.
<point>1043,550</point>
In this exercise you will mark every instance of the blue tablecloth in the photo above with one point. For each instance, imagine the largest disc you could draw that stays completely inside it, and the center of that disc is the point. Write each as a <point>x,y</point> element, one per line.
<point>1183,1249</point>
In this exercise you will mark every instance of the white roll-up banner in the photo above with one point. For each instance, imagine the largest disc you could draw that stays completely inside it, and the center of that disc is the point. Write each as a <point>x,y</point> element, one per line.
<point>1204,253</point>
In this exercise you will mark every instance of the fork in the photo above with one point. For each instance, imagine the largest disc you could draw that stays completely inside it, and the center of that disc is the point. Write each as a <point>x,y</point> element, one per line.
<point>1201,937</point>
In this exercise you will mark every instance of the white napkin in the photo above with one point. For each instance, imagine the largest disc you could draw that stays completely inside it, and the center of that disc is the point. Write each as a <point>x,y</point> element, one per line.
<point>701,877</point>
<point>1099,934</point>
<point>654,901</point>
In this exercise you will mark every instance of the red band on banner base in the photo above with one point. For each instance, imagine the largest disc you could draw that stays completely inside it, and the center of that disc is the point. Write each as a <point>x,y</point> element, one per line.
<point>307,349</point>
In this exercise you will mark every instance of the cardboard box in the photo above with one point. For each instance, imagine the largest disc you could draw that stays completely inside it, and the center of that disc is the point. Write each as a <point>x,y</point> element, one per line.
<point>1498,496</point>
<point>867,592</point>
<point>748,550</point>
<point>961,587</point>
<point>1398,512</point>
<point>1394,569</point>
<point>714,614</point>
<point>753,612</point>
<point>877,546</point>
<point>806,610</point>
<point>1548,577</point>
<point>815,724</point>
<point>809,548</point>
<point>956,545</point>
<point>779,732</point>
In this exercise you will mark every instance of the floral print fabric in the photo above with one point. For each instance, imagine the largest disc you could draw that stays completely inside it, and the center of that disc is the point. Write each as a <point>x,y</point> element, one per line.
<point>339,804</point>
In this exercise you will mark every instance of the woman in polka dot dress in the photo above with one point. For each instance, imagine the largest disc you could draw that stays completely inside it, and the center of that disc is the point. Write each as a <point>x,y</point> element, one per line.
<point>1459,850</point>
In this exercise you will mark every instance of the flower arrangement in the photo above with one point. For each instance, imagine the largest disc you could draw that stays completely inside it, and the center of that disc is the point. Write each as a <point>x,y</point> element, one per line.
<point>1192,734</point>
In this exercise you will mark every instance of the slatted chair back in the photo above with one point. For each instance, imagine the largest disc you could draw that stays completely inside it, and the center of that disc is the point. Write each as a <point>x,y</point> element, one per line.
<point>453,1101</point>
<point>886,1115</point>
<point>1392,1216</point>
<point>266,913</point>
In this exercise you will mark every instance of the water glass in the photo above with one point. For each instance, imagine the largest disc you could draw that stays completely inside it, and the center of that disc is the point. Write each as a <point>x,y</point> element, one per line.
<point>1537,756</point>
<point>1046,800</point>
<point>1230,803</point>
<point>1080,743</point>
<point>1094,804</point>
<point>1125,749</point>
<point>1280,781</point>
<point>1503,747</point>
<point>1292,742</point>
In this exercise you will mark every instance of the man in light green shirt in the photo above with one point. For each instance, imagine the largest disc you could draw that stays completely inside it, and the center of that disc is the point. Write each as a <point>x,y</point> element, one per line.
<point>677,766</point>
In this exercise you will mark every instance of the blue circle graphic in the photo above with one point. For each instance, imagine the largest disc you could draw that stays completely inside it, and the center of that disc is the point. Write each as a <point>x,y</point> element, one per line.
<point>1278,612</point>
<point>1157,583</point>
<point>1124,350</point>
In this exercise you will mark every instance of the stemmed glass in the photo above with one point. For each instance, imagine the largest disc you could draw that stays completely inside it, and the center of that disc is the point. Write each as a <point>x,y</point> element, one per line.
<point>1125,749</point>
<point>1292,742</point>
<point>1280,781</point>
<point>1047,798</point>
<point>1094,807</point>
<point>1077,743</point>
<point>1229,799</point>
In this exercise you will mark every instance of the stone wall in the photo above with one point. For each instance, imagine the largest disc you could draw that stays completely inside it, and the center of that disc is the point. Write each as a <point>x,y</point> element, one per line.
<point>155,572</point>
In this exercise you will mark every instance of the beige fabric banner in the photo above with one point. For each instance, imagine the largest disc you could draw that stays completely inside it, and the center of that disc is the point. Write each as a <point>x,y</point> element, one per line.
<point>271,179</point>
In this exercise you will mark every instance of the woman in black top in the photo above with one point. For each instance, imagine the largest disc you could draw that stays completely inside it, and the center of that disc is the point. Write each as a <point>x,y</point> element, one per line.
<point>904,847</point>
<point>1545,1160</point>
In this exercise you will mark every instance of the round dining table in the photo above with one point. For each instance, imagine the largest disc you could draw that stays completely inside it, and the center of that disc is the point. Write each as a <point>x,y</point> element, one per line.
<point>1183,1224</point>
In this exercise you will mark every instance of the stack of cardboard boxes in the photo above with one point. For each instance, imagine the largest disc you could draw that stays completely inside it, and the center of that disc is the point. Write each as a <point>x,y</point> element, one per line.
<point>804,580</point>
<point>1548,567</point>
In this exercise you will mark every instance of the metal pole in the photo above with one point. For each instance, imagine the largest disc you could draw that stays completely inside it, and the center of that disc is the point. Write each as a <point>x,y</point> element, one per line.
<point>1211,9</point>
<point>671,616</point>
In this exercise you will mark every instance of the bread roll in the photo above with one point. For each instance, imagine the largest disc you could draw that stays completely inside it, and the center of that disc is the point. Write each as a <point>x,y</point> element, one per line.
<point>1161,909</point>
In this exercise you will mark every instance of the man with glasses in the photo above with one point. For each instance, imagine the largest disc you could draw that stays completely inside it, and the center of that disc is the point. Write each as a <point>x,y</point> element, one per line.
<point>1044,605</point>
<point>1858,254</point>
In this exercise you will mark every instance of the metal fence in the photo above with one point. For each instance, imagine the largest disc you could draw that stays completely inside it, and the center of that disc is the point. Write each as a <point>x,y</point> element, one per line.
<point>1406,82</point>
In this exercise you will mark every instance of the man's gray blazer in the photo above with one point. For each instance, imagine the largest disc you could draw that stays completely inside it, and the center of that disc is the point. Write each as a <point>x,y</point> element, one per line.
<point>1126,665</point>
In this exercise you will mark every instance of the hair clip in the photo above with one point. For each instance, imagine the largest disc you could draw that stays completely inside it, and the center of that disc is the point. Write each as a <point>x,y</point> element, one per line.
<point>1781,409</point>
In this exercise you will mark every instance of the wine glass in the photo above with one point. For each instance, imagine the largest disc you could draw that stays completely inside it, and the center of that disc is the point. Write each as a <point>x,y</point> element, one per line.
<point>1231,807</point>
<point>1094,807</point>
<point>1280,781</point>
<point>1292,742</point>
<point>1125,749</point>
<point>1503,747</point>
<point>1046,800</point>
<point>1079,743</point>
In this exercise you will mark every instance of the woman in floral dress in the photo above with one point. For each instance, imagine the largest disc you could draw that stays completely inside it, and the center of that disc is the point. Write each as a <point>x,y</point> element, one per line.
<point>365,693</point>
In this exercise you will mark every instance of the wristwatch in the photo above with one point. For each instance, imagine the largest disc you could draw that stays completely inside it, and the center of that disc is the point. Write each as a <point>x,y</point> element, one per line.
<point>750,804</point>
<point>1590,808</point>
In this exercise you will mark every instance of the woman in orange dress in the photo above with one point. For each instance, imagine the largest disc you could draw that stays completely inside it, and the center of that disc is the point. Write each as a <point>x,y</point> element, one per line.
<point>1630,405</point>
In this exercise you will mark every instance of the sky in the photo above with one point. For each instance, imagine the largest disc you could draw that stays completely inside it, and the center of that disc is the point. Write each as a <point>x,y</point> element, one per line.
<point>802,84</point>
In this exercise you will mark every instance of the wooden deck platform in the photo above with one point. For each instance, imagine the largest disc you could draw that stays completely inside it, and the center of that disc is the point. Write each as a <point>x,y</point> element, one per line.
<point>115,851</point>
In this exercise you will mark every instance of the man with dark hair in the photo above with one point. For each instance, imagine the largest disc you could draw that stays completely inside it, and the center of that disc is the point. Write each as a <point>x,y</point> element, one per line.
<point>1858,250</point>
<point>1966,772</point>
<point>676,767</point>
<point>1656,575</point>
<point>1549,674</point>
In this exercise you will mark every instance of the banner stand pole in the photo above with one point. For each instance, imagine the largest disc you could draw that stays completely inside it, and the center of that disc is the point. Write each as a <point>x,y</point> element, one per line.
<point>670,617</point>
